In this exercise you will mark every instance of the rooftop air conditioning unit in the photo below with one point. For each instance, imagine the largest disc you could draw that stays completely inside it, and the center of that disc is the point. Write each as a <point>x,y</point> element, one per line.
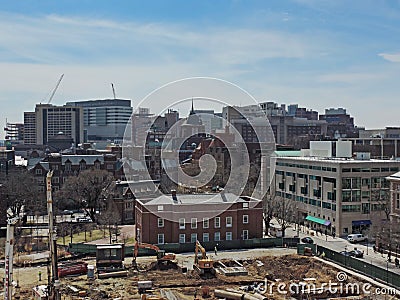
<point>363,155</point>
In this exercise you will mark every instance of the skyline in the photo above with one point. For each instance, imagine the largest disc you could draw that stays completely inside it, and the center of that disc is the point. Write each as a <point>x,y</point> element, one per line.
<point>318,54</point>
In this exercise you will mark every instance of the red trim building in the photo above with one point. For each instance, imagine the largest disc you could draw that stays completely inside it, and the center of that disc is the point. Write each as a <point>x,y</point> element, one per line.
<point>204,217</point>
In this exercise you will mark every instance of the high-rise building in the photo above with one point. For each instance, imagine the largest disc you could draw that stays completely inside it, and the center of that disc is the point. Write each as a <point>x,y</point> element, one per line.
<point>105,119</point>
<point>14,132</point>
<point>48,121</point>
<point>340,123</point>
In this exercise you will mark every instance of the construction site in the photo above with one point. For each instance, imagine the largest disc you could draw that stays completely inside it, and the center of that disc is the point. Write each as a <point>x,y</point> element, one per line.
<point>115,272</point>
<point>248,274</point>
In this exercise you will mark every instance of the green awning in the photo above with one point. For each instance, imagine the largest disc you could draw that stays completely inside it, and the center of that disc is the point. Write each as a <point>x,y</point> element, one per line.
<point>318,220</point>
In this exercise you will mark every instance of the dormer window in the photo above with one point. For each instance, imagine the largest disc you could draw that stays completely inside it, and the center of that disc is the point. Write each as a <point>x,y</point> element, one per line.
<point>82,165</point>
<point>67,166</point>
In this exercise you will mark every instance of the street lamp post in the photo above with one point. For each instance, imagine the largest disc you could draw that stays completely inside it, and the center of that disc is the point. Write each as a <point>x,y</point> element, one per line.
<point>298,223</point>
<point>345,255</point>
<point>387,271</point>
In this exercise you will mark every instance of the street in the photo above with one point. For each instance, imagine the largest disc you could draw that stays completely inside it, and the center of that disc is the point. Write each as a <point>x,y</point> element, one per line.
<point>340,244</point>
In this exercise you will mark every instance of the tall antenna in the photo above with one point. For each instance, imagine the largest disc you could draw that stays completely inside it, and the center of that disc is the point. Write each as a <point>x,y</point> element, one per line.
<point>113,90</point>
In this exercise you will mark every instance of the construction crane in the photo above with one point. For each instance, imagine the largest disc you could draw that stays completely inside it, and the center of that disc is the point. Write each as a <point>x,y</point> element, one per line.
<point>55,89</point>
<point>9,257</point>
<point>162,257</point>
<point>113,90</point>
<point>203,265</point>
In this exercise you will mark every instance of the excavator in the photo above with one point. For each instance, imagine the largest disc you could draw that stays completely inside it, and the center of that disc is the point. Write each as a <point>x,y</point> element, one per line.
<point>203,264</point>
<point>162,257</point>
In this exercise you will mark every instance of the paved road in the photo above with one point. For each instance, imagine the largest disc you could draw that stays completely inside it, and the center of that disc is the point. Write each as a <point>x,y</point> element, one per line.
<point>339,244</point>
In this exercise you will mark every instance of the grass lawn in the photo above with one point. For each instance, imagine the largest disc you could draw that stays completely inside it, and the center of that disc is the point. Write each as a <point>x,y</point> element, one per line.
<point>77,238</point>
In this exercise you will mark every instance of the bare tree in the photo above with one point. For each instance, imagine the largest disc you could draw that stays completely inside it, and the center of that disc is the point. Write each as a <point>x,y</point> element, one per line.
<point>89,190</point>
<point>284,211</point>
<point>268,211</point>
<point>110,217</point>
<point>18,192</point>
<point>381,198</point>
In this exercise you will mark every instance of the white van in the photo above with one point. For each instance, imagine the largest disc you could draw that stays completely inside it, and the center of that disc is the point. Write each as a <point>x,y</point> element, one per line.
<point>355,238</point>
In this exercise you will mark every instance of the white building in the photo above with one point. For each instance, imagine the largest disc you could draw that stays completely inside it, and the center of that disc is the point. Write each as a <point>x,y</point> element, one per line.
<point>333,194</point>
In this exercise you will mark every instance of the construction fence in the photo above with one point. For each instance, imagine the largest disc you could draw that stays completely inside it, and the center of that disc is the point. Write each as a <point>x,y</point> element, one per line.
<point>90,249</point>
<point>361,266</point>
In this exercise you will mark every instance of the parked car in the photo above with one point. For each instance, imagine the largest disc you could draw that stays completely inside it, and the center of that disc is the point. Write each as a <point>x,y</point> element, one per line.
<point>346,253</point>
<point>307,240</point>
<point>353,253</point>
<point>67,212</point>
<point>357,253</point>
<point>357,237</point>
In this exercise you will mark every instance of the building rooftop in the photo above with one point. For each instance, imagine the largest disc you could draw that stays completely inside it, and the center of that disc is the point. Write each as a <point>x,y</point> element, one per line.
<point>338,160</point>
<point>190,199</point>
<point>76,159</point>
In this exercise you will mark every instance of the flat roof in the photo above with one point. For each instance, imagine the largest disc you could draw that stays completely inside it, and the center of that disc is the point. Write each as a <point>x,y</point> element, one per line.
<point>190,199</point>
<point>337,160</point>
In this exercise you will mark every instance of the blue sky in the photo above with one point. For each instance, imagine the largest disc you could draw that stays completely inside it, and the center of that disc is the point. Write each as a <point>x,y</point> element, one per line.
<point>316,53</point>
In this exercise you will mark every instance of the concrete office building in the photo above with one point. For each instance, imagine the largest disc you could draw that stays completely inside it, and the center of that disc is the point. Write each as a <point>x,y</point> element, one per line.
<point>105,119</point>
<point>48,121</point>
<point>333,194</point>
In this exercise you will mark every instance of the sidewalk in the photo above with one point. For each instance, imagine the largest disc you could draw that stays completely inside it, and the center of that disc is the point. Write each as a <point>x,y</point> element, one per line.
<point>340,244</point>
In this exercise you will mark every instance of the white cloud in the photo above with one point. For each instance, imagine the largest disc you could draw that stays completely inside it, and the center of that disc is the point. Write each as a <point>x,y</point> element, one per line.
<point>394,57</point>
<point>56,39</point>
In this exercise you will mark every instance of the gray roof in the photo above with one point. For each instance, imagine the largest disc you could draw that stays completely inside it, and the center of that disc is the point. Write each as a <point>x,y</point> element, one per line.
<point>32,162</point>
<point>76,159</point>
<point>45,165</point>
<point>190,199</point>
<point>136,165</point>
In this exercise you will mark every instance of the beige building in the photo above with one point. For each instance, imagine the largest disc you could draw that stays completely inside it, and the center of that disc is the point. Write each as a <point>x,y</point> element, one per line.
<point>334,195</point>
<point>48,120</point>
<point>394,180</point>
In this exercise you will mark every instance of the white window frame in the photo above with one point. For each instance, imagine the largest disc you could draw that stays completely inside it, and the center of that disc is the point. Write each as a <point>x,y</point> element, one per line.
<point>245,219</point>
<point>217,222</point>
<point>193,223</point>
<point>228,236</point>
<point>245,205</point>
<point>245,234</point>
<point>229,221</point>
<point>160,238</point>
<point>160,222</point>
<point>182,224</point>
<point>193,237</point>
<point>206,237</point>
<point>38,171</point>
<point>182,238</point>
<point>160,207</point>
<point>206,222</point>
<point>217,236</point>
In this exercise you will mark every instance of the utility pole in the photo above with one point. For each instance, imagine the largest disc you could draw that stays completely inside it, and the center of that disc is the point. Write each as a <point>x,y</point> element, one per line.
<point>9,258</point>
<point>54,285</point>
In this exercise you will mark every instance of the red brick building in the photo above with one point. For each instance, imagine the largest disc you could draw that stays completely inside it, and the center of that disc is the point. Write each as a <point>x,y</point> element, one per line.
<point>204,217</point>
<point>64,166</point>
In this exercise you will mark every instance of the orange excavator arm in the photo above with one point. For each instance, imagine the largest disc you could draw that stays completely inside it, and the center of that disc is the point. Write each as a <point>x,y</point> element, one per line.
<point>144,246</point>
